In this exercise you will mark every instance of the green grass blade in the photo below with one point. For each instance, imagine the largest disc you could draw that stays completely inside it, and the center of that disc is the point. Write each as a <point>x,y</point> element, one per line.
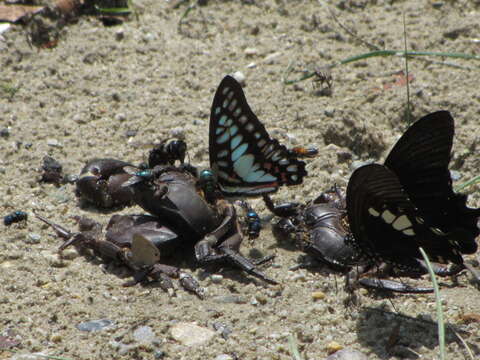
<point>440,322</point>
<point>384,53</point>
<point>468,183</point>
<point>408,114</point>
<point>113,11</point>
<point>292,345</point>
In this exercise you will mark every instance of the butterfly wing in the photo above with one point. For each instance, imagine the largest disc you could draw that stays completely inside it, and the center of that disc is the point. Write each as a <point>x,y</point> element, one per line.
<point>420,159</point>
<point>246,160</point>
<point>386,225</point>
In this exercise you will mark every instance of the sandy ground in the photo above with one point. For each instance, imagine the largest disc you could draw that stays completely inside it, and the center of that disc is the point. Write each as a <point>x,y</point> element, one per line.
<point>78,100</point>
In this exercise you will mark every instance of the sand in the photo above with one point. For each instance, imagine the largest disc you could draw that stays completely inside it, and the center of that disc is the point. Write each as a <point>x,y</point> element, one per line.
<point>79,99</point>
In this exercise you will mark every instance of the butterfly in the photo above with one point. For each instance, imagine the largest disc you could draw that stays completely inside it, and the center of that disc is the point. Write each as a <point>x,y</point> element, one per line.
<point>245,159</point>
<point>407,203</point>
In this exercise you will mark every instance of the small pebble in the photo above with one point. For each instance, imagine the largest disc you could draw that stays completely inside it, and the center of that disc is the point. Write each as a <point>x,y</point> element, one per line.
<point>158,354</point>
<point>116,97</point>
<point>271,58</point>
<point>347,354</point>
<point>53,259</point>
<point>216,279</point>
<point>251,51</point>
<point>95,325</point>
<point>262,299</point>
<point>119,34</point>
<point>240,77</point>
<point>299,277</point>
<point>178,133</point>
<point>79,119</point>
<point>190,334</point>
<point>70,253</point>
<point>358,163</point>
<point>56,338</point>
<point>54,143</point>
<point>223,357</point>
<point>223,329</point>
<point>70,178</point>
<point>230,299</point>
<point>148,37</point>
<point>33,238</point>
<point>329,111</point>
<point>120,117</point>
<point>332,347</point>
<point>455,175</point>
<point>5,133</point>
<point>144,335</point>
<point>130,133</point>
<point>251,65</point>
<point>318,295</point>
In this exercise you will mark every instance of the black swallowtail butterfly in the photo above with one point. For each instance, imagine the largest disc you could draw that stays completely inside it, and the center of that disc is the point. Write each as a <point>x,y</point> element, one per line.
<point>245,159</point>
<point>407,203</point>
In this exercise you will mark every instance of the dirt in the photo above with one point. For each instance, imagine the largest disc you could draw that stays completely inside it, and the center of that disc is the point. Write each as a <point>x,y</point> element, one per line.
<point>78,100</point>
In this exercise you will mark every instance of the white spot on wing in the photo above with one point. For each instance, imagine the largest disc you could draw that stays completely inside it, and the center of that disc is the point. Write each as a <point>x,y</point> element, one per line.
<point>233,130</point>
<point>223,138</point>
<point>236,141</point>
<point>401,223</point>
<point>409,232</point>
<point>250,127</point>
<point>437,231</point>
<point>243,165</point>
<point>222,153</point>
<point>267,178</point>
<point>232,105</point>
<point>373,212</point>
<point>388,217</point>
<point>254,176</point>
<point>239,151</point>
<point>222,120</point>
<point>243,119</point>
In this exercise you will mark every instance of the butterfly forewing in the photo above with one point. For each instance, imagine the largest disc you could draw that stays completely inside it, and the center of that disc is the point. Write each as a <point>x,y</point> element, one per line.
<point>420,159</point>
<point>242,154</point>
<point>386,225</point>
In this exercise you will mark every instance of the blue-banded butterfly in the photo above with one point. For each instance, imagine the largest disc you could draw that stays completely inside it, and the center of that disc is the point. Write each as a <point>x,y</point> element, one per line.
<point>407,203</point>
<point>246,161</point>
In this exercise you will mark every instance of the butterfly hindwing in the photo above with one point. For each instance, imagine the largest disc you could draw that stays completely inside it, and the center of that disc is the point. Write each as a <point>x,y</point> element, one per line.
<point>246,160</point>
<point>386,225</point>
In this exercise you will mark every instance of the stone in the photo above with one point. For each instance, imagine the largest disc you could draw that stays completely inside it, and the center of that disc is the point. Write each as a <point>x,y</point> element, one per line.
<point>190,334</point>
